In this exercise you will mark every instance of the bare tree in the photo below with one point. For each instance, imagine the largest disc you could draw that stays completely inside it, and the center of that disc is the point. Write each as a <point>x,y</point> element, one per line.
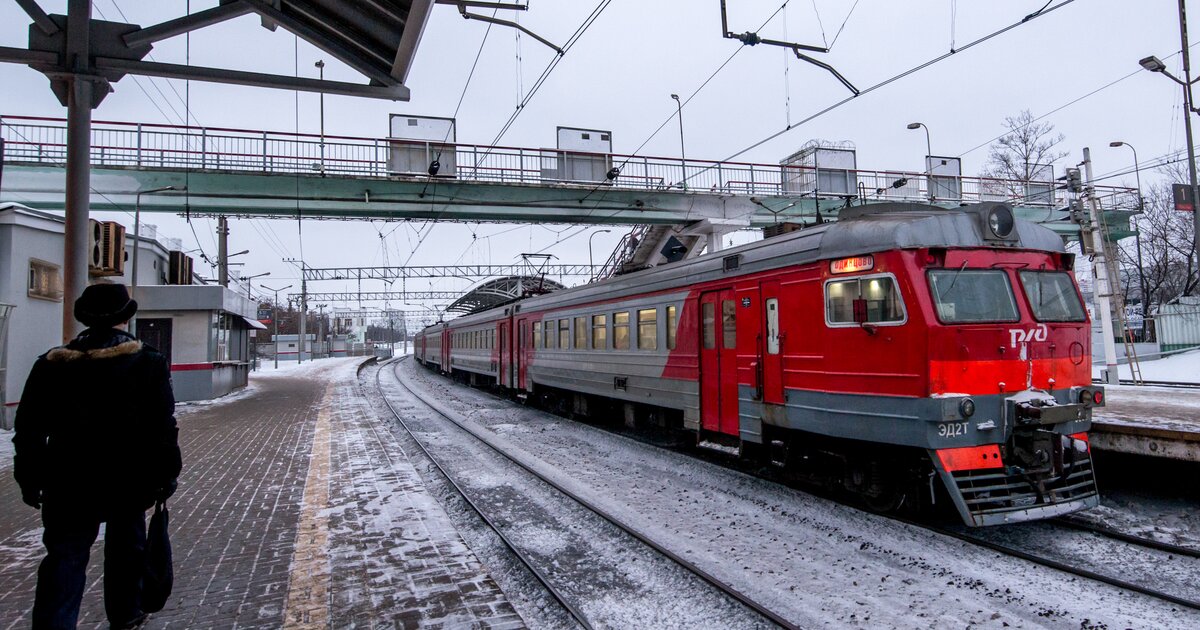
<point>1021,155</point>
<point>1168,248</point>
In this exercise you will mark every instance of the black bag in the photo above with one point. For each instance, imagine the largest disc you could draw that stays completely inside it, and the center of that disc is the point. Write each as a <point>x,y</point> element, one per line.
<point>160,573</point>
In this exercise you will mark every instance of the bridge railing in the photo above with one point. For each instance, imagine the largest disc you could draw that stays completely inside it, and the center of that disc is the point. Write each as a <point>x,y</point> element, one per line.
<point>159,146</point>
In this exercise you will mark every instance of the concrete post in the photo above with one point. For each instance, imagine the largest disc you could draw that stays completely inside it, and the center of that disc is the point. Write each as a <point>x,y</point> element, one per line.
<point>223,251</point>
<point>1103,289</point>
<point>79,147</point>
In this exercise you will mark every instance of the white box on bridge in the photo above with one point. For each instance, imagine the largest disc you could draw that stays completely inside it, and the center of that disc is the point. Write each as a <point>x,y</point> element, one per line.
<point>416,141</point>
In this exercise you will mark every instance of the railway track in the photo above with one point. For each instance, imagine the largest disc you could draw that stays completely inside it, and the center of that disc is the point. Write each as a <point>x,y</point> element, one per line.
<point>728,461</point>
<point>546,581</point>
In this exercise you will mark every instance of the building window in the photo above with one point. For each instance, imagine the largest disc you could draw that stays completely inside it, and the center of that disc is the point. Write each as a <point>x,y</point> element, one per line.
<point>45,282</point>
<point>599,332</point>
<point>564,334</point>
<point>647,321</point>
<point>621,331</point>
<point>672,327</point>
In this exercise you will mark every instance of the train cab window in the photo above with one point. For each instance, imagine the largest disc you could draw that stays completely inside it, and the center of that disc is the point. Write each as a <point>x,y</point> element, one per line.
<point>772,305</point>
<point>878,294</point>
<point>729,324</point>
<point>672,326</point>
<point>564,334</point>
<point>599,332</point>
<point>1052,296</point>
<point>972,295</point>
<point>709,325</point>
<point>581,333</point>
<point>621,331</point>
<point>647,329</point>
<point>537,334</point>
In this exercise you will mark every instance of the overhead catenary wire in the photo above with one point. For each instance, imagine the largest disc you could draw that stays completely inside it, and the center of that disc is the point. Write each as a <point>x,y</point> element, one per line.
<point>888,81</point>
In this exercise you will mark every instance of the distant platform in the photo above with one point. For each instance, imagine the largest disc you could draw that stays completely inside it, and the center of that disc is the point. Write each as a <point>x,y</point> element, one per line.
<point>1148,420</point>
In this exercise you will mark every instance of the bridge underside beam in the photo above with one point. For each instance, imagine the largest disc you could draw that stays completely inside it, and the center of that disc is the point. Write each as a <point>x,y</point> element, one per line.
<point>314,196</point>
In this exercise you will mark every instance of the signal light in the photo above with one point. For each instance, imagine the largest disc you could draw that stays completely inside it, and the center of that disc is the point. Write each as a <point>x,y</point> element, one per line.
<point>1098,397</point>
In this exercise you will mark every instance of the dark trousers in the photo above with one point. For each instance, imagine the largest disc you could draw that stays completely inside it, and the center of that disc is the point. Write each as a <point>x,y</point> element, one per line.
<point>68,538</point>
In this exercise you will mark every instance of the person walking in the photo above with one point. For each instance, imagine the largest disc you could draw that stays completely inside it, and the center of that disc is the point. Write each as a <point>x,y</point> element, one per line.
<point>96,442</point>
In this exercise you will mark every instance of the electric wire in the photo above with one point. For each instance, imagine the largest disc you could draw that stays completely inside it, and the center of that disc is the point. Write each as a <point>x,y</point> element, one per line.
<point>843,26</point>
<point>888,81</point>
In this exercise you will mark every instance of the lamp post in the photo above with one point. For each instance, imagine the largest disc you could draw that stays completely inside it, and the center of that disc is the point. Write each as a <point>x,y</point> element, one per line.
<point>1137,171</point>
<point>249,278</point>
<point>928,161</point>
<point>320,65</point>
<point>682,151</point>
<point>591,262</point>
<point>1154,64</point>
<point>137,242</point>
<point>275,318</point>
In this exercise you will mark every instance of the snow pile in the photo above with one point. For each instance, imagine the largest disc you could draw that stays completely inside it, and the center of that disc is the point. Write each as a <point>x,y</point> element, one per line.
<point>6,449</point>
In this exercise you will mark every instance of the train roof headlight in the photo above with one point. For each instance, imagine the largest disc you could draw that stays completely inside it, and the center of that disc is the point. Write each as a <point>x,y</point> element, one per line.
<point>1000,221</point>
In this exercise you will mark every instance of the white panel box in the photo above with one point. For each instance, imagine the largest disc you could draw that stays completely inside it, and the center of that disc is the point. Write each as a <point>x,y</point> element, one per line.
<point>585,155</point>
<point>416,141</point>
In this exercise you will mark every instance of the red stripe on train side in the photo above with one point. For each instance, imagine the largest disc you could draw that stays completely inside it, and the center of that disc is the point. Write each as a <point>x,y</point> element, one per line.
<point>985,377</point>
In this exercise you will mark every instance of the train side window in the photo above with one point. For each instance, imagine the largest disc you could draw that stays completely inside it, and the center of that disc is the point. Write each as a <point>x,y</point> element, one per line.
<point>550,333</point>
<point>599,332</point>
<point>709,314</point>
<point>621,331</point>
<point>672,327</point>
<point>878,294</point>
<point>564,334</point>
<point>729,323</point>
<point>772,325</point>
<point>537,334</point>
<point>581,333</point>
<point>647,322</point>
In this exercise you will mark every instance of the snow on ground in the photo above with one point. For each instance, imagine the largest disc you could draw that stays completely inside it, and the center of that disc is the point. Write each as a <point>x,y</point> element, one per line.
<point>1178,368</point>
<point>820,563</point>
<point>1145,405</point>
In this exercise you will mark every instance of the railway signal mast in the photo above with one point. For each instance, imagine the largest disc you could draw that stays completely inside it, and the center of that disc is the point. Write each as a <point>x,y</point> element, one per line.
<point>1103,289</point>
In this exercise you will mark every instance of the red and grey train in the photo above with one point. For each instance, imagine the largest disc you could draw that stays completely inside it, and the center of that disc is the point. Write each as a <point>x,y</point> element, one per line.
<point>901,348</point>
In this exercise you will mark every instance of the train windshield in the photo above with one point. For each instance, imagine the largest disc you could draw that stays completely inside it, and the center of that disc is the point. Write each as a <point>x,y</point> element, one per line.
<point>1052,296</point>
<point>972,295</point>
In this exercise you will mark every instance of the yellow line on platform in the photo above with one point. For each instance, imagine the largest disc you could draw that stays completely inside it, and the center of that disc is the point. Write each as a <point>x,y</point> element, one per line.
<point>307,604</point>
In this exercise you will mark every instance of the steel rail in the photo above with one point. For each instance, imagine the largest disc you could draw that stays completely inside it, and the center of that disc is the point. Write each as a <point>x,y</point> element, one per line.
<point>537,573</point>
<point>1064,567</point>
<point>602,513</point>
<point>1129,538</point>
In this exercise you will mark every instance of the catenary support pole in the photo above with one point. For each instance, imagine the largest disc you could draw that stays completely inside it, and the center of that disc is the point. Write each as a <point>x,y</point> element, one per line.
<point>1189,109</point>
<point>303,313</point>
<point>223,251</point>
<point>79,147</point>
<point>1102,290</point>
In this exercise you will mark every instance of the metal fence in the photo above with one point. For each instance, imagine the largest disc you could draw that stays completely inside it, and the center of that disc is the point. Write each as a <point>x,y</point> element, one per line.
<point>158,146</point>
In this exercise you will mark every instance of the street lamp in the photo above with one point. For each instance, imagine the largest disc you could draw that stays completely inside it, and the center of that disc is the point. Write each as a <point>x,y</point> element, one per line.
<point>320,65</point>
<point>682,152</point>
<point>928,160</point>
<point>249,278</point>
<point>137,242</point>
<point>275,318</point>
<point>1154,64</point>
<point>1137,171</point>
<point>592,263</point>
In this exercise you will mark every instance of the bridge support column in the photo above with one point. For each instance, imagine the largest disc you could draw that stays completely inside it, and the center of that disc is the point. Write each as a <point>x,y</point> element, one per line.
<point>80,102</point>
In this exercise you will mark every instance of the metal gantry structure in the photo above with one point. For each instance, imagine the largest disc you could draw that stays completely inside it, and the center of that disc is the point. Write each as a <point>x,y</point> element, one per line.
<point>473,272</point>
<point>379,296</point>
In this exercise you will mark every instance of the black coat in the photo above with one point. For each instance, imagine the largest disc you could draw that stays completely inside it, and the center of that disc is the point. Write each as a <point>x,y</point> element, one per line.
<point>95,430</point>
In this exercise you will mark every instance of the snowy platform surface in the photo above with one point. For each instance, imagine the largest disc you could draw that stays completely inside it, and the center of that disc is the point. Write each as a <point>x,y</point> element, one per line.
<point>293,510</point>
<point>1163,408</point>
<point>1177,368</point>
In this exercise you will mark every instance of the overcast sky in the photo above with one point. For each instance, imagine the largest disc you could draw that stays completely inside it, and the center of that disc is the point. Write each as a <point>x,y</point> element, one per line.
<point>620,75</point>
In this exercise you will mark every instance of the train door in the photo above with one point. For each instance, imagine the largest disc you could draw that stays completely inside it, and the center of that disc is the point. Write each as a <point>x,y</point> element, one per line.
<point>520,350</point>
<point>445,358</point>
<point>771,348</point>
<point>502,349</point>
<point>718,362</point>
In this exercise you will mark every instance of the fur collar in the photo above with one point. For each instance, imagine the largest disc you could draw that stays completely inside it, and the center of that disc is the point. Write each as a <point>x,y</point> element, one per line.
<point>64,353</point>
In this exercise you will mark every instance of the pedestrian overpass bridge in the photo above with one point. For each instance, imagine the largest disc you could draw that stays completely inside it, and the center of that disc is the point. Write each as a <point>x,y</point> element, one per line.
<point>255,173</point>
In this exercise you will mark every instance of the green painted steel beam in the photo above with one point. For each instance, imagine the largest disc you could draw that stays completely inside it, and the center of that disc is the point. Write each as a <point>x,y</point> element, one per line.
<point>289,195</point>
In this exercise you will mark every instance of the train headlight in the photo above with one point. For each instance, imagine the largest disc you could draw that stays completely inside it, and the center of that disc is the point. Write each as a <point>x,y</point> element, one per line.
<point>1000,221</point>
<point>966,407</point>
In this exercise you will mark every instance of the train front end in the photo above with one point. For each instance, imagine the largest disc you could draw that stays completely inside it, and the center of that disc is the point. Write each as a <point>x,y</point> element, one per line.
<point>1010,361</point>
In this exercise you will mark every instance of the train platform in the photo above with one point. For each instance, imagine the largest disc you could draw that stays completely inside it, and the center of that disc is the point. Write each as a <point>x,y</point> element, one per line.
<point>293,510</point>
<point>1148,420</point>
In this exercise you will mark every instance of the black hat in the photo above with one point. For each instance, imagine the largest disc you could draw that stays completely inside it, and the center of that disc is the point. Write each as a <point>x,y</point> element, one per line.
<point>104,306</point>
